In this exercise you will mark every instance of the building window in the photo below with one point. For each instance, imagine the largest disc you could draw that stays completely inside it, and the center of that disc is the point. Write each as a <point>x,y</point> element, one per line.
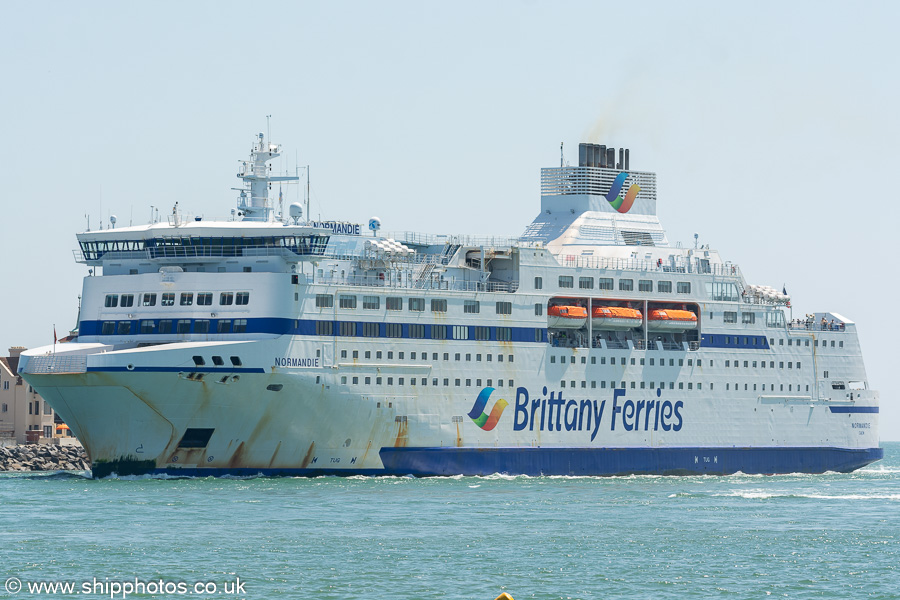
<point>684,287</point>
<point>664,287</point>
<point>471,306</point>
<point>538,283</point>
<point>645,285</point>
<point>586,283</point>
<point>227,299</point>
<point>626,285</point>
<point>438,305</point>
<point>566,281</point>
<point>417,304</point>
<point>371,302</point>
<point>345,301</point>
<point>504,308</point>
<point>604,283</point>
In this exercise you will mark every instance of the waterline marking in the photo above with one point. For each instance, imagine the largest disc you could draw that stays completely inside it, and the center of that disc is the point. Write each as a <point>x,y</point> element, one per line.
<point>123,589</point>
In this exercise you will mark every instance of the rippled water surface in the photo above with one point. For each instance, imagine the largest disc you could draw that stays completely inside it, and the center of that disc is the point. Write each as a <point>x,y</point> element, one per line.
<point>793,536</point>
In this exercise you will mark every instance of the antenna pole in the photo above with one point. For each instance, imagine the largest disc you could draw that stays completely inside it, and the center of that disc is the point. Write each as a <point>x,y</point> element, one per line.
<point>307,193</point>
<point>268,128</point>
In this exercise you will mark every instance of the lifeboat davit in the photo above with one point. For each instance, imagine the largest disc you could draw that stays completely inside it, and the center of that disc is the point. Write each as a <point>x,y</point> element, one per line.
<point>567,317</point>
<point>671,320</point>
<point>615,317</point>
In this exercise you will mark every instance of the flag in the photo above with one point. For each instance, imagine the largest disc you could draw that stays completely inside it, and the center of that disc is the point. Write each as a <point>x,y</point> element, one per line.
<point>54,334</point>
<point>784,290</point>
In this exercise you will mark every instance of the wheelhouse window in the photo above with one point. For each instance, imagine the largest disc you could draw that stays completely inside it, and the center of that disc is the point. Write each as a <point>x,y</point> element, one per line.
<point>626,285</point>
<point>201,326</point>
<point>165,326</point>
<point>566,281</point>
<point>147,326</point>
<point>683,287</point>
<point>371,302</point>
<point>127,300</point>
<point>204,299</point>
<point>346,301</point>
<point>604,283</point>
<point>242,298</point>
<point>108,328</point>
<point>183,326</point>
<point>148,300</point>
<point>168,299</point>
<point>112,300</point>
<point>223,326</point>
<point>240,325</point>
<point>417,304</point>
<point>393,303</point>
<point>124,328</point>
<point>187,299</point>
<point>645,285</point>
<point>438,305</point>
<point>664,287</point>
<point>586,283</point>
<point>226,298</point>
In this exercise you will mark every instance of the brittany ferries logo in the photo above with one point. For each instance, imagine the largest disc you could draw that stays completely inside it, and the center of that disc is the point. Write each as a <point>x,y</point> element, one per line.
<point>481,418</point>
<point>615,200</point>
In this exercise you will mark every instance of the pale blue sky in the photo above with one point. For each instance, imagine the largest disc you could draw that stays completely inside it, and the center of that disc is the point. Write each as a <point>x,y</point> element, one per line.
<point>772,126</point>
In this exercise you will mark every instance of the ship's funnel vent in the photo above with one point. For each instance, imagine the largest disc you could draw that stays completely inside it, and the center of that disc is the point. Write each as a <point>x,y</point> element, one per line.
<point>602,156</point>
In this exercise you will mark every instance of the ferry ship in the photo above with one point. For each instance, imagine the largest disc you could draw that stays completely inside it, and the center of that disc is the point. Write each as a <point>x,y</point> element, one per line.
<point>270,343</point>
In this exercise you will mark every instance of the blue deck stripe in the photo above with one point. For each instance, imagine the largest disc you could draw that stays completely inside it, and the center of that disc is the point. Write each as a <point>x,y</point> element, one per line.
<point>854,409</point>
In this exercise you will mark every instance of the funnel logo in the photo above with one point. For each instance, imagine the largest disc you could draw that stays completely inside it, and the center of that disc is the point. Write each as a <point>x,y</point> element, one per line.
<point>615,200</point>
<point>481,418</point>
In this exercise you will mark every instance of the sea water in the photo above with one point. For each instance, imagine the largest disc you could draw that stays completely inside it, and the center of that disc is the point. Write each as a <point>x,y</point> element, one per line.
<point>739,536</point>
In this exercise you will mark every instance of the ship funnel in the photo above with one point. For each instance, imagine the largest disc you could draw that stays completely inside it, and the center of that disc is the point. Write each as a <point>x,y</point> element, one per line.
<point>625,165</point>
<point>602,161</point>
<point>582,155</point>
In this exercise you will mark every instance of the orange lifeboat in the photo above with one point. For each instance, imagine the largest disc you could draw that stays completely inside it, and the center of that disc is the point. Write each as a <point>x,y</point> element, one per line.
<point>615,317</point>
<point>671,320</point>
<point>566,317</point>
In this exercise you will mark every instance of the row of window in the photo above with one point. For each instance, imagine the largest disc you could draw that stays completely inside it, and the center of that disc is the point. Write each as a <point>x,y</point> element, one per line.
<point>762,364</point>
<point>681,385</point>
<point>458,356</point>
<point>217,361</point>
<point>421,381</point>
<point>625,285</point>
<point>148,326</point>
<point>185,299</point>
<point>438,305</point>
<point>422,331</point>
<point>622,359</point>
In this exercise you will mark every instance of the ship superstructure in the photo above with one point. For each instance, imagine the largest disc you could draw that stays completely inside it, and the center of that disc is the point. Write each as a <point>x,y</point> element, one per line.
<point>588,346</point>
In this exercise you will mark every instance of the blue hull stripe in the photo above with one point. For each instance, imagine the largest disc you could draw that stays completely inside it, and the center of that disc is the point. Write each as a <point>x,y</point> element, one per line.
<point>854,409</point>
<point>424,462</point>
<point>624,461</point>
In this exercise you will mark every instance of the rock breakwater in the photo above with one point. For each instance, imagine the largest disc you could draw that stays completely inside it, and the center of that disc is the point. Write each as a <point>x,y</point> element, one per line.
<point>43,457</point>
